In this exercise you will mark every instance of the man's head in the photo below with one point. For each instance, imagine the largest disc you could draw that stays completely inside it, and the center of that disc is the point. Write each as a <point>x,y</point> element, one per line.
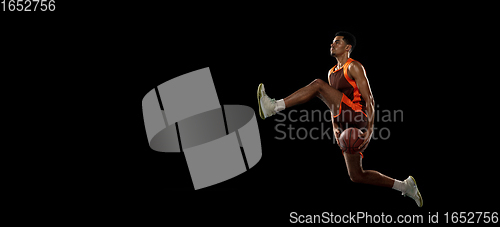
<point>344,41</point>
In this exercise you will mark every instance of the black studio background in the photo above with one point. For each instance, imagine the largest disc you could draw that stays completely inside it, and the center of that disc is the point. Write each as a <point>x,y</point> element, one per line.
<point>117,56</point>
<point>308,176</point>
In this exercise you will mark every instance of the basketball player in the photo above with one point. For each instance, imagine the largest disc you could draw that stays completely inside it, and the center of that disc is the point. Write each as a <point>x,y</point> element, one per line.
<point>349,98</point>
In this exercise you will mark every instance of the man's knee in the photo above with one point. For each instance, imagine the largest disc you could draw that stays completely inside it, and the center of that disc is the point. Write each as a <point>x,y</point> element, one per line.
<point>318,83</point>
<point>357,177</point>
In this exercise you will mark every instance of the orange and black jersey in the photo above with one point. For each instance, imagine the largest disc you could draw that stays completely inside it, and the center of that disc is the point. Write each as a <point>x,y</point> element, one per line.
<point>353,107</point>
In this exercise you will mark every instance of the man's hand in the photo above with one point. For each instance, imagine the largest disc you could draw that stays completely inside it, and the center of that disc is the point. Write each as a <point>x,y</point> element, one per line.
<point>366,136</point>
<point>336,133</point>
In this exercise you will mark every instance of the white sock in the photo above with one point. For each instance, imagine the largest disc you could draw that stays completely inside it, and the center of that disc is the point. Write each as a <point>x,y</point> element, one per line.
<point>280,105</point>
<point>399,185</point>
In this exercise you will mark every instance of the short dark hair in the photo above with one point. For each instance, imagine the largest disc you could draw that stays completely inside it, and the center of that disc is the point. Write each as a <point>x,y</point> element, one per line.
<point>348,38</point>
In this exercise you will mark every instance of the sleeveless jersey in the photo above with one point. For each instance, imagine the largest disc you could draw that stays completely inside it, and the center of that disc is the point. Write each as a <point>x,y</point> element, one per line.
<point>340,80</point>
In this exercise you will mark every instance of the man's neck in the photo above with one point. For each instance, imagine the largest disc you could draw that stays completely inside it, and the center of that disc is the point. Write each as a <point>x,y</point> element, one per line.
<point>342,59</point>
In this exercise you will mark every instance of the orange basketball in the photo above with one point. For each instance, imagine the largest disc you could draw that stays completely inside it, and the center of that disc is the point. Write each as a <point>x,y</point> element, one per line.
<point>349,141</point>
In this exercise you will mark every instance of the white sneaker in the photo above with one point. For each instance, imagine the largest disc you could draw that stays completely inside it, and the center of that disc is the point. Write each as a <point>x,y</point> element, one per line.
<point>266,104</point>
<point>412,191</point>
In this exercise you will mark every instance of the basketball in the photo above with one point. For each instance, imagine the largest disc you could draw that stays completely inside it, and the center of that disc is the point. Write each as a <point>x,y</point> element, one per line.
<point>349,141</point>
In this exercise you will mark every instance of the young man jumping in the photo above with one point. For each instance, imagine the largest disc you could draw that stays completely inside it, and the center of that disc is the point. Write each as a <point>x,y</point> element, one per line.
<point>349,98</point>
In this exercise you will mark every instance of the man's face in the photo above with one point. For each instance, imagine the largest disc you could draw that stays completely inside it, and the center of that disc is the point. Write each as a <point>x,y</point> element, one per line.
<point>338,47</point>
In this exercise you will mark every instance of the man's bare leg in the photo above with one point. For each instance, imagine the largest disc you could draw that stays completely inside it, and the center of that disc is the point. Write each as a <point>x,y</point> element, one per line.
<point>318,88</point>
<point>359,175</point>
<point>355,169</point>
